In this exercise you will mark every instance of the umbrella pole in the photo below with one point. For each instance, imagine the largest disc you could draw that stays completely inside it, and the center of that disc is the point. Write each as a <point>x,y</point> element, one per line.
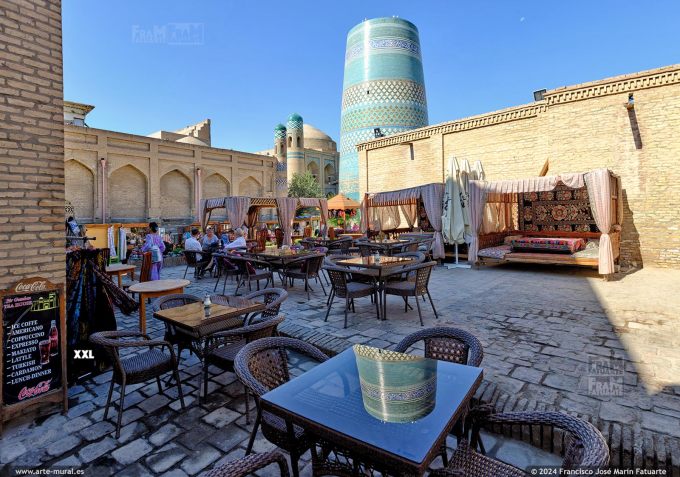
<point>456,264</point>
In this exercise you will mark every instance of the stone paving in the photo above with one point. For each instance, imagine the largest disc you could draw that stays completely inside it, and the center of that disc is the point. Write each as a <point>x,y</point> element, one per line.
<point>547,333</point>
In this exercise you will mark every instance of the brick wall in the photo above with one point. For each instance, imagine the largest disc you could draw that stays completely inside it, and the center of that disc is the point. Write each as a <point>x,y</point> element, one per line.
<point>576,129</point>
<point>31,141</point>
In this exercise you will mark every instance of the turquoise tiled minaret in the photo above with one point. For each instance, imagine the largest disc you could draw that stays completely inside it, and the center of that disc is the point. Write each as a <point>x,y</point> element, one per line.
<point>295,155</point>
<point>384,88</point>
<point>280,150</point>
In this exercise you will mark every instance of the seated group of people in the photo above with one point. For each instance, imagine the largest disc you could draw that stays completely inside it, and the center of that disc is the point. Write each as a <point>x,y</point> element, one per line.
<point>210,242</point>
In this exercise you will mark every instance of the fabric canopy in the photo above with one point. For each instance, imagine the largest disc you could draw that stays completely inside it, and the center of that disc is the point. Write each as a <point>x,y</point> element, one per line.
<point>598,183</point>
<point>431,195</point>
<point>243,210</point>
<point>286,207</point>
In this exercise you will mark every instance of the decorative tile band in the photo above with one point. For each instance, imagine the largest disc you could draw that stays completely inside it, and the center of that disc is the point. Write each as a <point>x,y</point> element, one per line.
<point>383,44</point>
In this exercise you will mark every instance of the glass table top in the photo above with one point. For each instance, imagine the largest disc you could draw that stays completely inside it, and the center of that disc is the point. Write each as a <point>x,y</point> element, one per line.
<point>396,402</point>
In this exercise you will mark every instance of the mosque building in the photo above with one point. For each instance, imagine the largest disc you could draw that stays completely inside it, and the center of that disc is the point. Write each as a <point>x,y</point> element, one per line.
<point>299,148</point>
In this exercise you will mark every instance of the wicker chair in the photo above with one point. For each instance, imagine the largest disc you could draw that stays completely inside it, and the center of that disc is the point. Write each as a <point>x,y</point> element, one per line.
<point>192,262</point>
<point>349,290</point>
<point>138,368</point>
<point>252,270</point>
<point>224,346</point>
<point>415,286</point>
<point>305,268</point>
<point>249,464</point>
<point>272,300</point>
<point>585,447</point>
<point>225,268</point>
<point>262,236</point>
<point>341,246</point>
<point>446,344</point>
<point>144,273</point>
<point>262,366</point>
<point>171,334</point>
<point>331,233</point>
<point>365,249</point>
<point>425,246</point>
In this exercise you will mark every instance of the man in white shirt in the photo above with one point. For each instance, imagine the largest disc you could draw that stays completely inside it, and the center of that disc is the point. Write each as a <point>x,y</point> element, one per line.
<point>239,241</point>
<point>193,245</point>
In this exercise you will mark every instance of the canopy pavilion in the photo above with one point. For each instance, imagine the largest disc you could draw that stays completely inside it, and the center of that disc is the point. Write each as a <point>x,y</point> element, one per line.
<point>243,211</point>
<point>569,219</point>
<point>383,211</point>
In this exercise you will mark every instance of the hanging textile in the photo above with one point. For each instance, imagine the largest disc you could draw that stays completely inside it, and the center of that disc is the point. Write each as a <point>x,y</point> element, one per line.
<point>410,212</point>
<point>432,200</point>
<point>90,298</point>
<point>286,207</point>
<point>477,201</point>
<point>237,210</point>
<point>599,188</point>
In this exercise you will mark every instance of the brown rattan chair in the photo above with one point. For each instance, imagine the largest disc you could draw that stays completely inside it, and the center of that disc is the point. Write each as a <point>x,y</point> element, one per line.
<point>446,344</point>
<point>171,334</point>
<point>250,464</point>
<point>365,249</point>
<point>414,285</point>
<point>304,268</point>
<point>262,236</point>
<point>340,246</point>
<point>223,347</point>
<point>252,270</point>
<point>307,232</point>
<point>262,366</point>
<point>331,233</point>
<point>137,368</point>
<point>144,273</point>
<point>343,288</point>
<point>584,446</point>
<point>272,298</point>
<point>190,257</point>
<point>225,268</point>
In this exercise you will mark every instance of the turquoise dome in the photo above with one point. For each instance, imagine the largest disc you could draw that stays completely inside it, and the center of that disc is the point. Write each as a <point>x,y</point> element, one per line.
<point>295,121</point>
<point>279,131</point>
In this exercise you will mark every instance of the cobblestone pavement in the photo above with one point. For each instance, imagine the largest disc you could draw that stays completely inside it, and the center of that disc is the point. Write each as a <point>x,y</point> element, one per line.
<point>547,336</point>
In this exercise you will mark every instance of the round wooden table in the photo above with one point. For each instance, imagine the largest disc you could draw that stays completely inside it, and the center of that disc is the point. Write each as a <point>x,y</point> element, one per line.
<point>121,269</point>
<point>154,289</point>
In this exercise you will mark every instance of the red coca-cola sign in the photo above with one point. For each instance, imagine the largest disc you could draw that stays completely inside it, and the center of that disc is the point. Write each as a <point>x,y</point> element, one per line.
<point>40,388</point>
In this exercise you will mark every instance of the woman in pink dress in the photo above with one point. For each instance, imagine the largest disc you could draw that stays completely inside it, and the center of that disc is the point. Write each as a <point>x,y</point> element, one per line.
<point>153,240</point>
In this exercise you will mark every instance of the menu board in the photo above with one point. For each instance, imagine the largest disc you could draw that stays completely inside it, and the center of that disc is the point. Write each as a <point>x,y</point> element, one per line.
<point>32,358</point>
<point>32,343</point>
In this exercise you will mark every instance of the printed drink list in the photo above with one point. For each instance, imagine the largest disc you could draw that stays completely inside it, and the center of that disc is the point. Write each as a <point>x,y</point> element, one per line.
<point>31,352</point>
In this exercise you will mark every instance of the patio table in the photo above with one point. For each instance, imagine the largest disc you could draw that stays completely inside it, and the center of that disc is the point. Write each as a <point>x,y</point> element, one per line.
<point>121,269</point>
<point>280,259</point>
<point>154,289</point>
<point>382,267</point>
<point>192,321</point>
<point>343,404</point>
<point>387,246</point>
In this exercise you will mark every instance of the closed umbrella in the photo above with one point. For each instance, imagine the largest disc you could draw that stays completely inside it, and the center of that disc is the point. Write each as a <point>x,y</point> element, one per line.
<point>453,222</point>
<point>464,184</point>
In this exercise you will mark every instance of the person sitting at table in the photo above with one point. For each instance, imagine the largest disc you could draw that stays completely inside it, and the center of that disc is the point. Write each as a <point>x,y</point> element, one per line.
<point>239,241</point>
<point>211,243</point>
<point>193,245</point>
<point>225,238</point>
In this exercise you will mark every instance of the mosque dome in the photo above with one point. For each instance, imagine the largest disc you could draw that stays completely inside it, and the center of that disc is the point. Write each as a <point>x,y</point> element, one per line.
<point>279,131</point>
<point>317,139</point>
<point>295,121</point>
<point>192,140</point>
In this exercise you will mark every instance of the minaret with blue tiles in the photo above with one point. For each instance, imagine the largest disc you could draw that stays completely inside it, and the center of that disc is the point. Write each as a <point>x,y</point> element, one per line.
<point>280,152</point>
<point>295,146</point>
<point>384,87</point>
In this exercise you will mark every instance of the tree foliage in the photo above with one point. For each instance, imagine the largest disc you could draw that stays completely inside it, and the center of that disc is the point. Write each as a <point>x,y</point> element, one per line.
<point>304,185</point>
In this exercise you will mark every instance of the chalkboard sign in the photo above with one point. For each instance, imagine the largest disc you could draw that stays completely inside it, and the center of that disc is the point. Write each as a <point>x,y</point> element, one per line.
<point>33,346</point>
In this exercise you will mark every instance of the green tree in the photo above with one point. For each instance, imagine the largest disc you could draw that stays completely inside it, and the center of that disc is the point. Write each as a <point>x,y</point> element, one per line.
<point>304,185</point>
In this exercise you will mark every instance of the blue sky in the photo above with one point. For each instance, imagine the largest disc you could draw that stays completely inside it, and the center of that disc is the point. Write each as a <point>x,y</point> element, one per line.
<point>251,63</point>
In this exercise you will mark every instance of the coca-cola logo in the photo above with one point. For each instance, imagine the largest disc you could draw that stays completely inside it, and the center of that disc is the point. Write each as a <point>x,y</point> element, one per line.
<point>40,388</point>
<point>37,286</point>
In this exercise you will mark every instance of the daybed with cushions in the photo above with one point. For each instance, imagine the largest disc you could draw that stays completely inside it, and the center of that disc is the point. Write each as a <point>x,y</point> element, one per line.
<point>572,219</point>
